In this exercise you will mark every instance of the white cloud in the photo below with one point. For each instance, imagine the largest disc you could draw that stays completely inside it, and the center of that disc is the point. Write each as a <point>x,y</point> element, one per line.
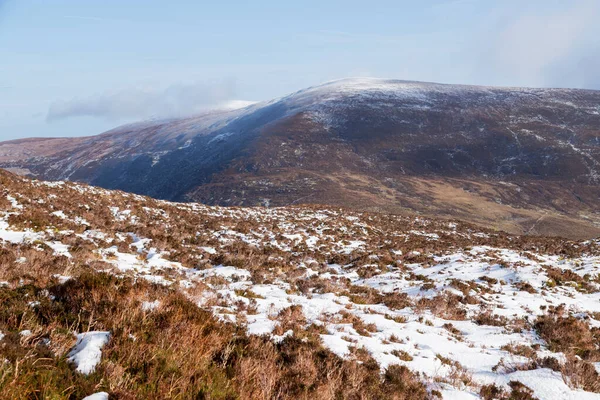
<point>142,102</point>
<point>537,47</point>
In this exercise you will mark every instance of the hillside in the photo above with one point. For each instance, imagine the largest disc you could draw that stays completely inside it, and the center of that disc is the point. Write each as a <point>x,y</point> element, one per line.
<point>130,297</point>
<point>517,159</point>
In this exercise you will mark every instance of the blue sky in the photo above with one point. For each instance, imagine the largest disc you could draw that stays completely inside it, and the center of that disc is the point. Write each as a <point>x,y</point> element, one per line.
<point>80,67</point>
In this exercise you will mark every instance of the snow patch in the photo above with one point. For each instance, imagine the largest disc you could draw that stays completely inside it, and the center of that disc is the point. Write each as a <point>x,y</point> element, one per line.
<point>150,305</point>
<point>88,350</point>
<point>97,396</point>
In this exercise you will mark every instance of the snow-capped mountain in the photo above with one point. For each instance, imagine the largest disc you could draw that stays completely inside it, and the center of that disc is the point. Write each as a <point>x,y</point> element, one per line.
<point>518,159</point>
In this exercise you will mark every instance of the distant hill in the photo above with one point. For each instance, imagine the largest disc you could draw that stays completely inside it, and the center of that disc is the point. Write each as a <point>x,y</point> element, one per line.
<point>522,160</point>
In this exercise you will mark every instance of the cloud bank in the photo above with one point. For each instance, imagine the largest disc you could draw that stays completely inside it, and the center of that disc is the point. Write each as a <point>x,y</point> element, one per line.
<point>542,47</point>
<point>140,103</point>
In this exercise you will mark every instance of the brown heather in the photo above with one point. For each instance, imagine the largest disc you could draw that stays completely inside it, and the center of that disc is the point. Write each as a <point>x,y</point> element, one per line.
<point>178,351</point>
<point>182,351</point>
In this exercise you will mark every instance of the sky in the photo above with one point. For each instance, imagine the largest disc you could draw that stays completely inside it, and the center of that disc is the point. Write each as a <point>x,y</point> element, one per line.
<point>81,67</point>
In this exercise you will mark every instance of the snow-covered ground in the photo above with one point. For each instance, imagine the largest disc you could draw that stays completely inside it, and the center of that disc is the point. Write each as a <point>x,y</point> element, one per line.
<point>451,303</point>
<point>87,352</point>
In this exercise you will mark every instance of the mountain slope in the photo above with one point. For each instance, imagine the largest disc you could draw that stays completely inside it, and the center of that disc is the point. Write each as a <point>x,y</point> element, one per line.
<point>522,160</point>
<point>249,303</point>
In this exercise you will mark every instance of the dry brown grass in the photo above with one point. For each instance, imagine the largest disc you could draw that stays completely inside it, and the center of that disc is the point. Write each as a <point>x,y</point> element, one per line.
<point>518,391</point>
<point>578,341</point>
<point>446,306</point>
<point>176,351</point>
<point>569,335</point>
<point>183,352</point>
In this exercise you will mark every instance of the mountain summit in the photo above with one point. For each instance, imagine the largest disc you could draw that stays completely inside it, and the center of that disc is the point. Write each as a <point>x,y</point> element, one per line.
<point>519,159</point>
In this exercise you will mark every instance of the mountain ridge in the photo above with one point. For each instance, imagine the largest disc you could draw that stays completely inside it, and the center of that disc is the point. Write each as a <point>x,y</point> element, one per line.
<point>519,157</point>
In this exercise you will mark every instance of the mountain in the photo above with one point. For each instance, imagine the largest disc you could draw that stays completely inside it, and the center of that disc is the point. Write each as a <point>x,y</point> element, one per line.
<point>522,160</point>
<point>106,291</point>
